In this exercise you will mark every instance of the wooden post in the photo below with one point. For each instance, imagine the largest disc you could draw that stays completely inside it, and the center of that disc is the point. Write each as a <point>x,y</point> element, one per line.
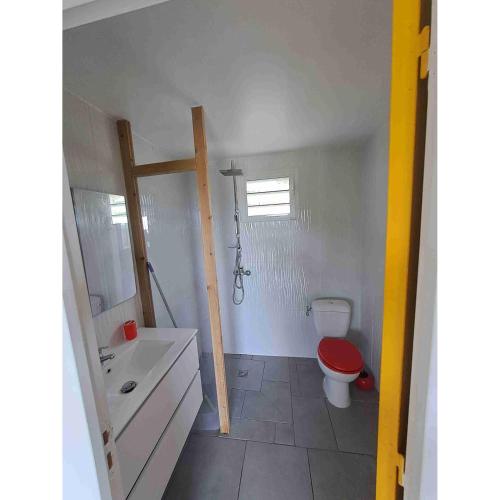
<point>200,147</point>
<point>135,218</point>
<point>131,173</point>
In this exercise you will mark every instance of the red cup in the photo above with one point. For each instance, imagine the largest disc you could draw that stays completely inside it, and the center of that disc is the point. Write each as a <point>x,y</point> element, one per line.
<point>130,330</point>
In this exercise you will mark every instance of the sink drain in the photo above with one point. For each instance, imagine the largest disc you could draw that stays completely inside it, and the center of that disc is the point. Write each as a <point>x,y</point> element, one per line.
<point>128,386</point>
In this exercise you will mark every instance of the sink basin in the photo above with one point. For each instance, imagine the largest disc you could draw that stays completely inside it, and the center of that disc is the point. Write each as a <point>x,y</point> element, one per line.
<point>144,361</point>
<point>134,363</point>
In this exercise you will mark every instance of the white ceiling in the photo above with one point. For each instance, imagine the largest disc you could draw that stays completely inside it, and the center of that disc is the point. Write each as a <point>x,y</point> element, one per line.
<point>272,75</point>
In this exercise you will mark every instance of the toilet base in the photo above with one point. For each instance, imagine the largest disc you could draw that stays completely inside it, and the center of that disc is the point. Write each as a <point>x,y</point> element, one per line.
<point>336,385</point>
<point>337,392</point>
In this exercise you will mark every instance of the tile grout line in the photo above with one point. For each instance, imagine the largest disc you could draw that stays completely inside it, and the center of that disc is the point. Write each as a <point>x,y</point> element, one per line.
<point>332,425</point>
<point>329,450</point>
<point>242,465</point>
<point>243,404</point>
<point>292,367</point>
<point>310,474</point>
<point>262,379</point>
<point>291,404</point>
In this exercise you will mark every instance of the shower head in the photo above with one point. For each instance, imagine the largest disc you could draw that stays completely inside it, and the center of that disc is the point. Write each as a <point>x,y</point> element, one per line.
<point>231,172</point>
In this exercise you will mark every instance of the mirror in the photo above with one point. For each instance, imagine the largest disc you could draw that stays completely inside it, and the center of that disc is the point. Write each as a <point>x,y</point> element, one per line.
<point>102,223</point>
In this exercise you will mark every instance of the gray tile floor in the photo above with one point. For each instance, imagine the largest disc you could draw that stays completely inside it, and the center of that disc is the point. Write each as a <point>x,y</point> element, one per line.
<point>286,440</point>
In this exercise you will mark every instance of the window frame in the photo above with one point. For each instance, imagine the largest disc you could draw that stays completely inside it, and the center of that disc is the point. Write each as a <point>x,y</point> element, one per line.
<point>245,218</point>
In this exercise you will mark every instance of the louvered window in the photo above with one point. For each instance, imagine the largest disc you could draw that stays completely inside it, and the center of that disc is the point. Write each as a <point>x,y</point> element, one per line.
<point>269,198</point>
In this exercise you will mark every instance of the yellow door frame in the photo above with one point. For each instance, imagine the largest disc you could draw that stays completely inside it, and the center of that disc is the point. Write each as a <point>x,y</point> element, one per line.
<point>409,53</point>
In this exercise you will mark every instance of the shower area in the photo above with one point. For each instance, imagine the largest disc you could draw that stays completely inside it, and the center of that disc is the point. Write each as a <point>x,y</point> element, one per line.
<point>171,221</point>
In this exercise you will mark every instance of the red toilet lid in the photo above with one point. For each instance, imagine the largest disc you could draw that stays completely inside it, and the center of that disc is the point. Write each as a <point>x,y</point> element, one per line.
<point>340,355</point>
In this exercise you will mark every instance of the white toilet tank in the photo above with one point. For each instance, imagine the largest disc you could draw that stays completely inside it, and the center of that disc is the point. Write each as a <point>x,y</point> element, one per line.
<point>332,317</point>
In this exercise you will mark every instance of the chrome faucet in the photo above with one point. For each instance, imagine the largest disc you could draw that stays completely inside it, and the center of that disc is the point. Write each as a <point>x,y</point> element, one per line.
<point>105,357</point>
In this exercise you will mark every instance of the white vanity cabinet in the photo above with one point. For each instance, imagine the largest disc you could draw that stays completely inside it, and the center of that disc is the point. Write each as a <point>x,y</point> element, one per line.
<point>154,479</point>
<point>149,445</point>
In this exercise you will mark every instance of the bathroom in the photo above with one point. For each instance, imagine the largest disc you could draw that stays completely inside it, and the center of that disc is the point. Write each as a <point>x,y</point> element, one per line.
<point>300,173</point>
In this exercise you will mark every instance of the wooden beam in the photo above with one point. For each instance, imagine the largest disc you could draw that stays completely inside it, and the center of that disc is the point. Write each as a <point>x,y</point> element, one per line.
<point>165,167</point>
<point>135,218</point>
<point>200,147</point>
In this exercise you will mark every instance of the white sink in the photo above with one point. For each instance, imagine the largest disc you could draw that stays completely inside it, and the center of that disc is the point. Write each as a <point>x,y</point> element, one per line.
<point>133,364</point>
<point>144,361</point>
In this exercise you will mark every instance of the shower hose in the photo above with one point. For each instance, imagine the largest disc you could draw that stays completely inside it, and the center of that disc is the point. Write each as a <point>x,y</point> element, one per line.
<point>238,297</point>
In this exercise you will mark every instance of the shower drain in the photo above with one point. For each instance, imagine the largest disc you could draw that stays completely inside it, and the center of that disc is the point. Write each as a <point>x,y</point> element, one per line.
<point>242,373</point>
<point>128,386</point>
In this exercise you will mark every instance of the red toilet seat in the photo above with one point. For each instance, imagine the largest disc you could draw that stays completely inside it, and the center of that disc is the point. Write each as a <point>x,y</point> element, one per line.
<point>340,355</point>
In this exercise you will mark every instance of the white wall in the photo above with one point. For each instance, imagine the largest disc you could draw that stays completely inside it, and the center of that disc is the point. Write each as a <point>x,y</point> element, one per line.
<point>428,478</point>
<point>79,467</point>
<point>292,262</point>
<point>421,469</point>
<point>84,344</point>
<point>374,189</point>
<point>92,154</point>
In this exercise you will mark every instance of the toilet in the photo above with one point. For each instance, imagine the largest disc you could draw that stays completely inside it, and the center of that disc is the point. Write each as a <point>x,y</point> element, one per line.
<point>339,359</point>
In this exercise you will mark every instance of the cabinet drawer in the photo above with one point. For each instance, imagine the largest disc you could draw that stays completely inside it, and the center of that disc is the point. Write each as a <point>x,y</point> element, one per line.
<point>135,444</point>
<point>155,477</point>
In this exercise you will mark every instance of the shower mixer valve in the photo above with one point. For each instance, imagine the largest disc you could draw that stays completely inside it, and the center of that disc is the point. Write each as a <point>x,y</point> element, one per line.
<point>241,272</point>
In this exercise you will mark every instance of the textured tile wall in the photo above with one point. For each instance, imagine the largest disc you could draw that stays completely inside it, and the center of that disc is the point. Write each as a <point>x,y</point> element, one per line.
<point>92,154</point>
<point>317,254</point>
